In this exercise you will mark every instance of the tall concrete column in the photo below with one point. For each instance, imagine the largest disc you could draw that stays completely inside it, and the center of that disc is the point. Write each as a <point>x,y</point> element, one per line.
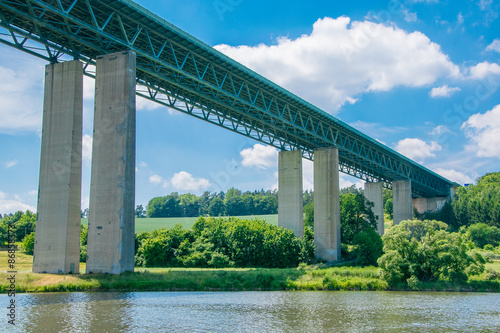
<point>401,201</point>
<point>327,204</point>
<point>57,237</point>
<point>111,238</point>
<point>374,192</point>
<point>290,196</point>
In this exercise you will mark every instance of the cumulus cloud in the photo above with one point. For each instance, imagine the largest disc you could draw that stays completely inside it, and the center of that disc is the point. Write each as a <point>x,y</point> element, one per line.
<point>494,46</point>
<point>259,156</point>
<point>87,148</point>
<point>483,69</point>
<point>455,176</point>
<point>21,97</point>
<point>417,149</point>
<point>11,204</point>
<point>186,182</point>
<point>341,59</point>
<point>158,180</point>
<point>443,91</point>
<point>483,131</point>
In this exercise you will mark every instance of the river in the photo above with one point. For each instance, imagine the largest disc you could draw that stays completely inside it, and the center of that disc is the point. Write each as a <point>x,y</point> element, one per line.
<point>254,312</point>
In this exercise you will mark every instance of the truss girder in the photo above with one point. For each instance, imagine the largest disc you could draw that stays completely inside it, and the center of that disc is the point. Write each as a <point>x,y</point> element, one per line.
<point>178,71</point>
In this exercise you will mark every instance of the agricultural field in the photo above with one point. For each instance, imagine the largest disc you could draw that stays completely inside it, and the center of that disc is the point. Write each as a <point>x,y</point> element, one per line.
<point>150,224</point>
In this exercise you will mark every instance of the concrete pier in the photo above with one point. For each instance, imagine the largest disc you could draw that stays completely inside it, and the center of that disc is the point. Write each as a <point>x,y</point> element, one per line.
<point>111,238</point>
<point>327,204</point>
<point>57,237</point>
<point>401,201</point>
<point>374,193</point>
<point>290,196</point>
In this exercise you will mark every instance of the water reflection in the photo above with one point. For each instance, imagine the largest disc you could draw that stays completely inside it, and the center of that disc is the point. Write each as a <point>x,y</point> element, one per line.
<point>258,312</point>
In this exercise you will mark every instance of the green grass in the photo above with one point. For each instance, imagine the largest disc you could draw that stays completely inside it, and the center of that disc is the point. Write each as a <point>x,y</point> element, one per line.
<point>149,224</point>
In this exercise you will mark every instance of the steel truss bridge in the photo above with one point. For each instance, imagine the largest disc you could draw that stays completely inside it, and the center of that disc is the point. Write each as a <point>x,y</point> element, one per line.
<point>179,71</point>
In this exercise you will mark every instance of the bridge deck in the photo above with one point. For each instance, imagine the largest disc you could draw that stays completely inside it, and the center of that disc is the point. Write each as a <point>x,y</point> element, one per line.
<point>181,72</point>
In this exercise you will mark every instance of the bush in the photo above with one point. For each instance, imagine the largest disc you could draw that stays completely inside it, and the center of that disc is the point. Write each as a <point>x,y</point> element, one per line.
<point>368,247</point>
<point>482,234</point>
<point>426,251</point>
<point>28,243</point>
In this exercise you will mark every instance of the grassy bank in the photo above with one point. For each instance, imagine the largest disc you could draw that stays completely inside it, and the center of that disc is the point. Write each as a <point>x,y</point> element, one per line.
<point>184,279</point>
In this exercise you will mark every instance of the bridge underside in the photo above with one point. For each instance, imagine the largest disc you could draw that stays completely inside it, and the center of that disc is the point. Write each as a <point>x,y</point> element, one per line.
<point>177,70</point>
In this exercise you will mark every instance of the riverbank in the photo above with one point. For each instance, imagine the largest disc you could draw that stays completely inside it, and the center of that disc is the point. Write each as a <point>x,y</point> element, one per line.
<point>236,279</point>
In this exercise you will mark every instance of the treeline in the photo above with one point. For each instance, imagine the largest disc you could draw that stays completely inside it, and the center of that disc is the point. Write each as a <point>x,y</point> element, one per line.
<point>231,203</point>
<point>473,204</point>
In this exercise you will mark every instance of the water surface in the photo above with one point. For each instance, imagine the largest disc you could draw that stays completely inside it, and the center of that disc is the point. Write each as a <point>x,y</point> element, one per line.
<point>256,312</point>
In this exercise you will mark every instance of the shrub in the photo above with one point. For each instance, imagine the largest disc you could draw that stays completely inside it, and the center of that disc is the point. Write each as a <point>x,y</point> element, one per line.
<point>368,247</point>
<point>482,234</point>
<point>425,250</point>
<point>28,243</point>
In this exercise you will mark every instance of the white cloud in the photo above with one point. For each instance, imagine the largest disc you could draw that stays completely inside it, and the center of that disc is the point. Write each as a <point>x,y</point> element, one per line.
<point>86,148</point>
<point>11,205</point>
<point>10,164</point>
<point>158,180</point>
<point>33,192</point>
<point>443,91</point>
<point>259,156</point>
<point>455,176</point>
<point>409,17</point>
<point>186,182</point>
<point>417,149</point>
<point>494,46</point>
<point>441,129</point>
<point>143,164</point>
<point>341,59</point>
<point>483,131</point>
<point>21,97</point>
<point>483,69</point>
<point>484,4</point>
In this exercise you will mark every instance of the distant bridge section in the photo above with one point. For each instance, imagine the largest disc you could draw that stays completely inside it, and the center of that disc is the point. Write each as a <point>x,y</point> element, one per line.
<point>183,73</point>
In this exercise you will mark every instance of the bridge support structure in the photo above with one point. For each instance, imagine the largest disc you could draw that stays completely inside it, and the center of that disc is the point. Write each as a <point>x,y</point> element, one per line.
<point>374,193</point>
<point>327,204</point>
<point>57,236</point>
<point>401,201</point>
<point>111,238</point>
<point>290,195</point>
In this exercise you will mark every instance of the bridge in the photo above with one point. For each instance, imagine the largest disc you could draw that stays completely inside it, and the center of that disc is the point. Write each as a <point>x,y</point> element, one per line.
<point>131,51</point>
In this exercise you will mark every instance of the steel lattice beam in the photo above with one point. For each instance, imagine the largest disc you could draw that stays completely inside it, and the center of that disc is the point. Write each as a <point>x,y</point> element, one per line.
<point>181,72</point>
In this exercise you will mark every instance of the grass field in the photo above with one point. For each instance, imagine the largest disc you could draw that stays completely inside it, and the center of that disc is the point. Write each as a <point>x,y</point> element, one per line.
<point>150,224</point>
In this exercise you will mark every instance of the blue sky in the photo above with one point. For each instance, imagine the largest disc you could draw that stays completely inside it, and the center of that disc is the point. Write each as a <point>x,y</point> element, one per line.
<point>421,76</point>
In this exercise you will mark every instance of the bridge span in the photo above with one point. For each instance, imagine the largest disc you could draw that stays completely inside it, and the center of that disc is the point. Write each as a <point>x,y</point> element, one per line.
<point>131,51</point>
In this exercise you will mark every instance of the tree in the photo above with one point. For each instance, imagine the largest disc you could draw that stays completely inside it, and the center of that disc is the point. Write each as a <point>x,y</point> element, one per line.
<point>309,215</point>
<point>482,234</point>
<point>368,247</point>
<point>140,212</point>
<point>28,243</point>
<point>356,216</point>
<point>216,207</point>
<point>424,251</point>
<point>388,208</point>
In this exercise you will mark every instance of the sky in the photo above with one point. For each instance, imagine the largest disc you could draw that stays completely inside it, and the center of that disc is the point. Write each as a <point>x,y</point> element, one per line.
<point>420,76</point>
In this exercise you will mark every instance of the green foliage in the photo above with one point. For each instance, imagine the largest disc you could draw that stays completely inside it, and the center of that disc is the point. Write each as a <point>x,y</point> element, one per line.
<point>232,203</point>
<point>83,253</point>
<point>368,247</point>
<point>219,242</point>
<point>482,234</point>
<point>388,208</point>
<point>24,225</point>
<point>355,216</point>
<point>309,215</point>
<point>425,251</point>
<point>28,243</point>
<point>478,203</point>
